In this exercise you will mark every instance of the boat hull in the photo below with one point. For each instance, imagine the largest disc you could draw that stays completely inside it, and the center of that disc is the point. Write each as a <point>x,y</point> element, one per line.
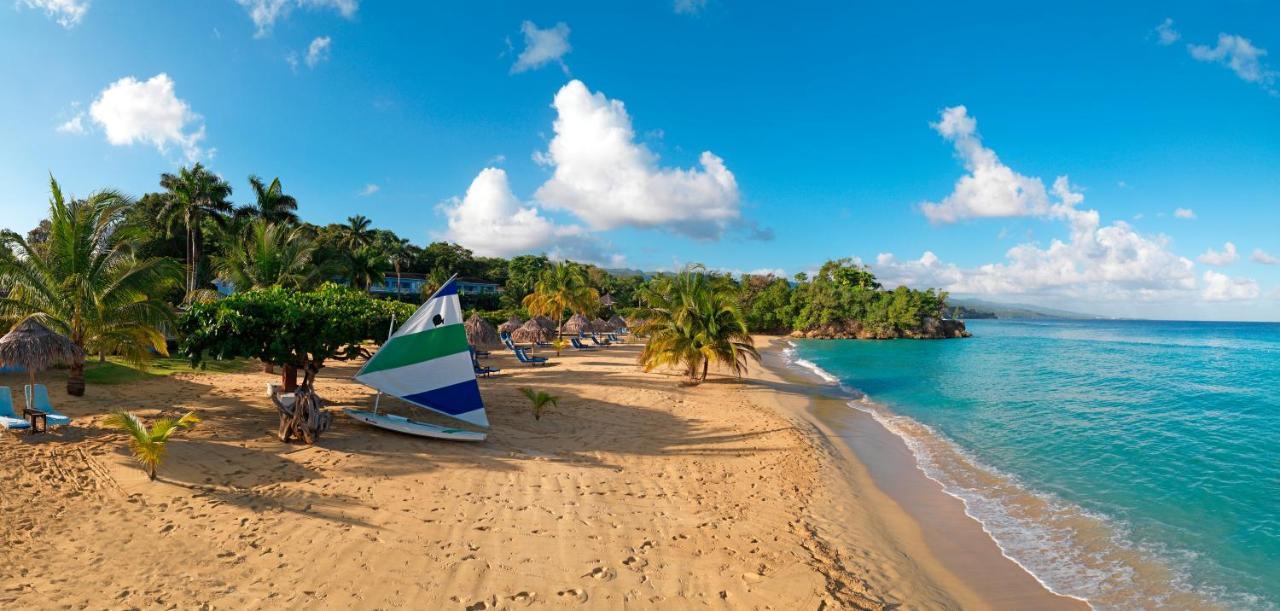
<point>409,426</point>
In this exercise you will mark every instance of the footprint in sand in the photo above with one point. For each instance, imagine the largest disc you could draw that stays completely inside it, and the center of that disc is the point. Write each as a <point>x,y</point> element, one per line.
<point>526,598</point>
<point>602,573</point>
<point>575,593</point>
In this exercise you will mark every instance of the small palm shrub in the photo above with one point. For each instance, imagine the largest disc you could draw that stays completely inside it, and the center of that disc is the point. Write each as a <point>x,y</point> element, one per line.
<point>539,400</point>
<point>148,446</point>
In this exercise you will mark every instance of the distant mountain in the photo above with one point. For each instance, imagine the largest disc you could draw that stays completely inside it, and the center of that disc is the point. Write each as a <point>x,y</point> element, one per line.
<point>977,308</point>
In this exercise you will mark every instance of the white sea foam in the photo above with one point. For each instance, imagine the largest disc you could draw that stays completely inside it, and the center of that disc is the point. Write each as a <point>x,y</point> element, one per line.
<point>1098,573</point>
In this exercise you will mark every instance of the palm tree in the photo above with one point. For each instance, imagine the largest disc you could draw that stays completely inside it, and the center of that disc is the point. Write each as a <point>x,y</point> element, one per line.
<point>692,320</point>
<point>363,267</point>
<point>539,400</point>
<point>272,204</point>
<point>148,446</point>
<point>561,287</point>
<point>433,282</point>
<point>194,194</point>
<point>85,282</point>
<point>399,253</point>
<point>356,233</point>
<point>265,254</point>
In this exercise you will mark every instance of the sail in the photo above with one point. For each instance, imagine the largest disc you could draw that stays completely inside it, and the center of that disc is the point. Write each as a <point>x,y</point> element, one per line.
<point>427,362</point>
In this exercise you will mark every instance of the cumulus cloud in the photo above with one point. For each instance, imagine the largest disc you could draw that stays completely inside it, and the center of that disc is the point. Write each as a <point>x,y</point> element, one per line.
<point>690,7</point>
<point>493,222</point>
<point>1263,257</point>
<point>990,188</point>
<point>131,111</point>
<point>1184,213</point>
<point>74,125</point>
<point>1226,256</point>
<point>67,13</point>
<point>542,47</point>
<point>1095,262</point>
<point>1165,34</point>
<point>1221,287</point>
<point>607,179</point>
<point>265,13</point>
<point>318,50</point>
<point>368,190</point>
<point>1238,54</point>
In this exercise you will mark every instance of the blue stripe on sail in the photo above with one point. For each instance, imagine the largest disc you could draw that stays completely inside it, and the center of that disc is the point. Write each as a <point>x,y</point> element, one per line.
<point>454,399</point>
<point>449,288</point>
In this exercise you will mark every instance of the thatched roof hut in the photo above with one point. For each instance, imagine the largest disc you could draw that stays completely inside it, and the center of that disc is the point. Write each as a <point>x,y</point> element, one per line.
<point>32,346</point>
<point>617,322</point>
<point>547,323</point>
<point>607,301</point>
<point>577,324</point>
<point>512,324</point>
<point>530,333</point>
<point>481,334</point>
<point>600,326</point>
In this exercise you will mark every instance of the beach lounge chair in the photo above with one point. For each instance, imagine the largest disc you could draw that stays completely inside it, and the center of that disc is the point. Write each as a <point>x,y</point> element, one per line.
<point>529,360</point>
<point>37,397</point>
<point>578,345</point>
<point>506,341</point>
<point>8,418</point>
<point>613,338</point>
<point>479,369</point>
<point>595,340</point>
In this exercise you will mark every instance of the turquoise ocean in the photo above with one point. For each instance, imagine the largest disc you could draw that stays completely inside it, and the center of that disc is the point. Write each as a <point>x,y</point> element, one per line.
<point>1134,464</point>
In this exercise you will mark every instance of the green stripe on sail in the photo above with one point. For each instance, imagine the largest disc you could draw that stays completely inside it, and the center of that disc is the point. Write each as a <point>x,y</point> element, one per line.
<point>418,347</point>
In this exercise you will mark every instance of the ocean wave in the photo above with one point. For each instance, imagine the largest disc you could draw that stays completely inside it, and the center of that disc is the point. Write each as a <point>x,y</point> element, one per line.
<point>1071,551</point>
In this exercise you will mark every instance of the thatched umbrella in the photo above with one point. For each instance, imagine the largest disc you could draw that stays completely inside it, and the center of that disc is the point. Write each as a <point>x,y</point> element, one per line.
<point>577,324</point>
<point>530,333</point>
<point>547,323</point>
<point>32,346</point>
<point>600,326</point>
<point>512,324</point>
<point>617,322</point>
<point>607,301</point>
<point>481,334</point>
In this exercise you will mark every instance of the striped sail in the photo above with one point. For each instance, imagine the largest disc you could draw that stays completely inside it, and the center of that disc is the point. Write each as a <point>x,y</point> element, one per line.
<point>427,361</point>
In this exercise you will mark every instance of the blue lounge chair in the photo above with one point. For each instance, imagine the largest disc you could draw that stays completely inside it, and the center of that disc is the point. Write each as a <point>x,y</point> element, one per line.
<point>8,418</point>
<point>481,370</point>
<point>529,360</point>
<point>37,397</point>
<point>578,345</point>
<point>595,340</point>
<point>613,338</point>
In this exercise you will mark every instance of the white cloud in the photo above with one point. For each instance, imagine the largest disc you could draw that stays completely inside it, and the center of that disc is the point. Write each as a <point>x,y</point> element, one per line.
<point>1226,256</point>
<point>603,176</point>
<point>1165,34</point>
<point>1184,213</point>
<point>1095,262</point>
<point>67,13</point>
<point>132,111</point>
<point>318,50</point>
<point>265,13</point>
<point>368,190</point>
<point>690,7</point>
<point>542,47</point>
<point>1221,287</point>
<point>1263,257</point>
<point>991,188</point>
<point>1238,54</point>
<point>74,125</point>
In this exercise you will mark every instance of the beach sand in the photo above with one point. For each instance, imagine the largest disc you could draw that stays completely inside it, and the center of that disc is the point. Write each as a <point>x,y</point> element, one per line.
<point>636,491</point>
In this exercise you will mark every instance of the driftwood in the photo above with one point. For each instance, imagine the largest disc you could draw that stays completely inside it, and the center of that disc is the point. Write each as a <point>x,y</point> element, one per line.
<point>303,418</point>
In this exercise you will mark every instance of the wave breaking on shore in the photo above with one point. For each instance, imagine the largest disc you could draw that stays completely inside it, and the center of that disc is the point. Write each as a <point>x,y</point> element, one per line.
<point>1071,551</point>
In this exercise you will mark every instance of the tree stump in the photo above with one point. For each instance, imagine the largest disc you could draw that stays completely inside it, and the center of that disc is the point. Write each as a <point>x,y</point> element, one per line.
<point>304,418</point>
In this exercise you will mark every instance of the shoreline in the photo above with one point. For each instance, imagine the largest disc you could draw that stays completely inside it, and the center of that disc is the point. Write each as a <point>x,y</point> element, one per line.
<point>965,555</point>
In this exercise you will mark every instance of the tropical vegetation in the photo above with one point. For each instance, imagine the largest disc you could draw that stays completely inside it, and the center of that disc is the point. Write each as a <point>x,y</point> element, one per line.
<point>539,400</point>
<point>692,319</point>
<point>149,446</point>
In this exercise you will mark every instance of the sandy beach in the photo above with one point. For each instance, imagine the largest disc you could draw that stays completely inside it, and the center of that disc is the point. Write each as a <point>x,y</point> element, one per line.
<point>635,492</point>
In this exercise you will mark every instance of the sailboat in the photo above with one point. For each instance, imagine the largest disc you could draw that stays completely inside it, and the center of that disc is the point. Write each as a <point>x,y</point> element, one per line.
<point>427,362</point>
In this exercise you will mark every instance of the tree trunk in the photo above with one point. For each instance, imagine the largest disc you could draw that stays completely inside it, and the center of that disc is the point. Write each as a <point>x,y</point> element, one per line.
<point>198,236</point>
<point>268,367</point>
<point>151,473</point>
<point>703,377</point>
<point>75,379</point>
<point>289,378</point>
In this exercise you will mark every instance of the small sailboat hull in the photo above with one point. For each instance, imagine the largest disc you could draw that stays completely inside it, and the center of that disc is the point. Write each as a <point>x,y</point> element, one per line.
<point>409,426</point>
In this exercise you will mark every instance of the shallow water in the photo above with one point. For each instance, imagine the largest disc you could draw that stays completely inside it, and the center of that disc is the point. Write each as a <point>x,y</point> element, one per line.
<point>1130,463</point>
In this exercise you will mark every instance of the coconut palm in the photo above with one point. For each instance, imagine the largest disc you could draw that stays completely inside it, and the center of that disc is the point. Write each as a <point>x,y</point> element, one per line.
<point>539,400</point>
<point>264,254</point>
<point>271,205</point>
<point>85,282</point>
<point>356,233</point>
<point>397,252</point>
<point>192,195</point>
<point>148,446</point>
<point>363,267</point>
<point>560,288</point>
<point>691,321</point>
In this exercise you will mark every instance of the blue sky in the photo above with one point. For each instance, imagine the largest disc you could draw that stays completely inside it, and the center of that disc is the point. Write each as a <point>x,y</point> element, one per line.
<point>924,140</point>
